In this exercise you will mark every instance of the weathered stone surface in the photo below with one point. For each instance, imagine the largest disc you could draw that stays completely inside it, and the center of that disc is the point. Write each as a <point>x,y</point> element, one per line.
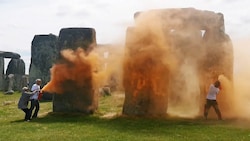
<point>73,38</point>
<point>203,57</point>
<point>145,93</point>
<point>43,55</point>
<point>76,96</point>
<point>1,73</point>
<point>178,17</point>
<point>10,80</point>
<point>16,67</point>
<point>6,54</point>
<point>219,60</point>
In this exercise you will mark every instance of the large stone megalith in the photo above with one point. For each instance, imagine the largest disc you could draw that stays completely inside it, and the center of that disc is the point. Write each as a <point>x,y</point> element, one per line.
<point>15,73</point>
<point>12,80</point>
<point>77,93</point>
<point>219,64</point>
<point>1,73</point>
<point>197,51</point>
<point>43,55</point>
<point>145,77</point>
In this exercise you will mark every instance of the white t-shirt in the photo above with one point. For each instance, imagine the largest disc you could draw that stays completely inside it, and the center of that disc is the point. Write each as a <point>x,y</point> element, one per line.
<point>213,91</point>
<point>35,87</point>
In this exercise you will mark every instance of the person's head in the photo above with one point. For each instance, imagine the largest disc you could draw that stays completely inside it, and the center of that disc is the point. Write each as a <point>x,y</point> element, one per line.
<point>217,83</point>
<point>25,89</point>
<point>38,81</point>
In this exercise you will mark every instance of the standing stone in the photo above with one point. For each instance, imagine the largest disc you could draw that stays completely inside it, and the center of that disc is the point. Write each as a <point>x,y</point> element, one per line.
<point>16,67</point>
<point>219,61</point>
<point>145,92</point>
<point>10,82</point>
<point>43,55</point>
<point>72,38</point>
<point>201,57</point>
<point>76,96</point>
<point>1,73</point>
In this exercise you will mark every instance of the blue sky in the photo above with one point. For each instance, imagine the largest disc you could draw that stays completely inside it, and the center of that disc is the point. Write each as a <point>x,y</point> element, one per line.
<point>21,20</point>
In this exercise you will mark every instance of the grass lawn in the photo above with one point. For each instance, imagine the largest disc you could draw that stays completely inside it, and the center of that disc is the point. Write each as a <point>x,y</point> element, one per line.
<point>107,124</point>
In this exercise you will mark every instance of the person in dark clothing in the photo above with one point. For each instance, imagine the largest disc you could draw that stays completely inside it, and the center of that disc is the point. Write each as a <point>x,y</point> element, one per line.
<point>34,99</point>
<point>24,101</point>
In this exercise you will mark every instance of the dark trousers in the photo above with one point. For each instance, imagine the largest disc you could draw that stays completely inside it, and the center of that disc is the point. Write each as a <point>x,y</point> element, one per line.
<point>215,106</point>
<point>34,105</point>
<point>27,114</point>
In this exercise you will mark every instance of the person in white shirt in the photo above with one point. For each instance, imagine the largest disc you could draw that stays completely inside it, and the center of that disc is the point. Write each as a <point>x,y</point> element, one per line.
<point>34,99</point>
<point>213,91</point>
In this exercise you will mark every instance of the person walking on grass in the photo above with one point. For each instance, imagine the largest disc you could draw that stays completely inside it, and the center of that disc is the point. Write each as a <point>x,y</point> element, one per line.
<point>213,91</point>
<point>34,99</point>
<point>24,101</point>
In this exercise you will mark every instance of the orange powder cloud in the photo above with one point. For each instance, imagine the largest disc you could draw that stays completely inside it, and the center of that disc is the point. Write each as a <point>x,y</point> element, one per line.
<point>77,67</point>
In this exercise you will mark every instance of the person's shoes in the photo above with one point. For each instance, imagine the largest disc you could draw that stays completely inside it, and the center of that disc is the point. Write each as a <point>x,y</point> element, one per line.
<point>34,117</point>
<point>27,120</point>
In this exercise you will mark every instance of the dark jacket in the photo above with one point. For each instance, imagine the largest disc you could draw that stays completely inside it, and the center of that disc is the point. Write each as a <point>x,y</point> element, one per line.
<point>24,99</point>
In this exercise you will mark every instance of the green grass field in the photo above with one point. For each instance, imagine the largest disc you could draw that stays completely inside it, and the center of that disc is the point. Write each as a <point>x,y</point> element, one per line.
<point>107,124</point>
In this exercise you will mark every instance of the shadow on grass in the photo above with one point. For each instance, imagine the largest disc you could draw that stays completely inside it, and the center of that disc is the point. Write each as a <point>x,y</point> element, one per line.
<point>18,121</point>
<point>124,122</point>
<point>134,127</point>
